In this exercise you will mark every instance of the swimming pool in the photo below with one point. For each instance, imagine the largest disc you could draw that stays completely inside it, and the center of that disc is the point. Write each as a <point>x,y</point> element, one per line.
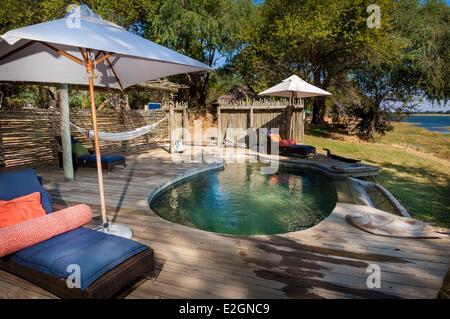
<point>239,200</point>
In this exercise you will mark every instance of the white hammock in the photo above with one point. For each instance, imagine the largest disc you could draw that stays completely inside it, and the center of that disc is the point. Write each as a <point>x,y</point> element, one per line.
<point>119,136</point>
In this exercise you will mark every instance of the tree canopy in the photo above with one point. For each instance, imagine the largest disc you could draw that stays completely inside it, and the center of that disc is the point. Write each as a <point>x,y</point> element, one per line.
<point>370,69</point>
<point>205,30</point>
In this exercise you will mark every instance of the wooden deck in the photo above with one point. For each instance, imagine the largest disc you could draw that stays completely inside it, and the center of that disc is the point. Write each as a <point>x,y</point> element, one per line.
<point>326,261</point>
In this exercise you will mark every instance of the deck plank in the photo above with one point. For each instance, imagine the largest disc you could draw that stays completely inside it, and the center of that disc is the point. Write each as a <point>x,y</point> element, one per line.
<point>326,261</point>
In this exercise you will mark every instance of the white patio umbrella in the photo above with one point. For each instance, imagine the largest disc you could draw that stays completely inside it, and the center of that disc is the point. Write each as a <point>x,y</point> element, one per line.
<point>294,87</point>
<point>82,48</point>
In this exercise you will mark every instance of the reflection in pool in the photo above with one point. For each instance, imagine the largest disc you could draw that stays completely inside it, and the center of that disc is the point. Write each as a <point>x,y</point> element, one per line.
<point>240,200</point>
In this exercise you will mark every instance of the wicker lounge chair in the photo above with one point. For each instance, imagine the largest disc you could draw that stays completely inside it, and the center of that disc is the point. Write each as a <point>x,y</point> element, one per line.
<point>89,160</point>
<point>290,147</point>
<point>108,263</point>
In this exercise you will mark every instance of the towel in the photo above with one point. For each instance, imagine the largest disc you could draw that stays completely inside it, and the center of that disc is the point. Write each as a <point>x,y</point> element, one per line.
<point>395,226</point>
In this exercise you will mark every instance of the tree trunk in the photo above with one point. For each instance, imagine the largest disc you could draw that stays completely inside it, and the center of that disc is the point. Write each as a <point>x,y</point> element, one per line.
<point>371,128</point>
<point>203,94</point>
<point>318,111</point>
<point>318,116</point>
<point>63,98</point>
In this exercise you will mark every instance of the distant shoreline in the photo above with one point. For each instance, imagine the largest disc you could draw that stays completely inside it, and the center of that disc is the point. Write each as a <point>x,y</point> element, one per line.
<point>419,114</point>
<point>429,114</point>
<point>439,123</point>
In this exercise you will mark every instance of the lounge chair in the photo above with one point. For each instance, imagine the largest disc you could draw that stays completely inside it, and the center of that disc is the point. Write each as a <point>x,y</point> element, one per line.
<point>290,147</point>
<point>81,157</point>
<point>108,263</point>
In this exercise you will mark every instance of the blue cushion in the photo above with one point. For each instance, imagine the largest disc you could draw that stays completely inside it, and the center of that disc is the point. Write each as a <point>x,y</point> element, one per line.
<point>300,147</point>
<point>21,183</point>
<point>105,158</point>
<point>96,253</point>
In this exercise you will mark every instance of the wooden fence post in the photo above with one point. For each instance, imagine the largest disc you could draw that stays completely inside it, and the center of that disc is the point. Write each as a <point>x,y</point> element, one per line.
<point>289,120</point>
<point>185,124</point>
<point>301,125</point>
<point>250,125</point>
<point>219,128</point>
<point>65,132</point>
<point>301,122</point>
<point>171,126</point>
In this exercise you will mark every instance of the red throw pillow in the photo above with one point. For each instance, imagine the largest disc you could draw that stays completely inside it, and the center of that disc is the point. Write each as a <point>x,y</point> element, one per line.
<point>21,209</point>
<point>291,141</point>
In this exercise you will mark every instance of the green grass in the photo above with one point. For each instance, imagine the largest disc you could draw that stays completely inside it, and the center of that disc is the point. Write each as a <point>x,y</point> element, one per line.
<point>415,166</point>
<point>417,138</point>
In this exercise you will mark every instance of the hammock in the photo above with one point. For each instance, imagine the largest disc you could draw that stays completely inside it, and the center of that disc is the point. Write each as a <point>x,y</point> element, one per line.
<point>120,136</point>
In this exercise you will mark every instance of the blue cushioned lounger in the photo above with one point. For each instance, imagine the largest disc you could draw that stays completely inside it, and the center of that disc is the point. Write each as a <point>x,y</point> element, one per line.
<point>298,149</point>
<point>104,158</point>
<point>108,161</point>
<point>21,183</point>
<point>94,252</point>
<point>108,263</point>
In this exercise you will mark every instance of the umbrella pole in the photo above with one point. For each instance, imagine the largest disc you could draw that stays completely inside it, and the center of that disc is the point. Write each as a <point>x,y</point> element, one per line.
<point>90,72</point>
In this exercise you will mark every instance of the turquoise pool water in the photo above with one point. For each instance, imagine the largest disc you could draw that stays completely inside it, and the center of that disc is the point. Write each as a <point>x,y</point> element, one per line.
<point>240,200</point>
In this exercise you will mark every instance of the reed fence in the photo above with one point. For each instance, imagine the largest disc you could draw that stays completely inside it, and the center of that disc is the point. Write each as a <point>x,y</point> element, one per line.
<point>27,136</point>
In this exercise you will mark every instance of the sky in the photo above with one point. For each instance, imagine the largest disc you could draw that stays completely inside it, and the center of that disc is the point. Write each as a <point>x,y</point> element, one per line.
<point>428,106</point>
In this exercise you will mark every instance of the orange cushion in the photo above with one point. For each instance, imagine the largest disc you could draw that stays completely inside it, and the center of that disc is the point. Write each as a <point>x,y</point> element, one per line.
<point>20,209</point>
<point>275,137</point>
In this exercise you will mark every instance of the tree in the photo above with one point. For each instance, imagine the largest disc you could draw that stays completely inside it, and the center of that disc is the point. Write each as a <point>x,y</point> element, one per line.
<point>425,27</point>
<point>19,13</point>
<point>411,65</point>
<point>381,91</point>
<point>131,14</point>
<point>320,40</point>
<point>202,29</point>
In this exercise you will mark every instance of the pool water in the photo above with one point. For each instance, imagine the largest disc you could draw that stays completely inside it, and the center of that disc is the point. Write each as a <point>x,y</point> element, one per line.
<point>240,200</point>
